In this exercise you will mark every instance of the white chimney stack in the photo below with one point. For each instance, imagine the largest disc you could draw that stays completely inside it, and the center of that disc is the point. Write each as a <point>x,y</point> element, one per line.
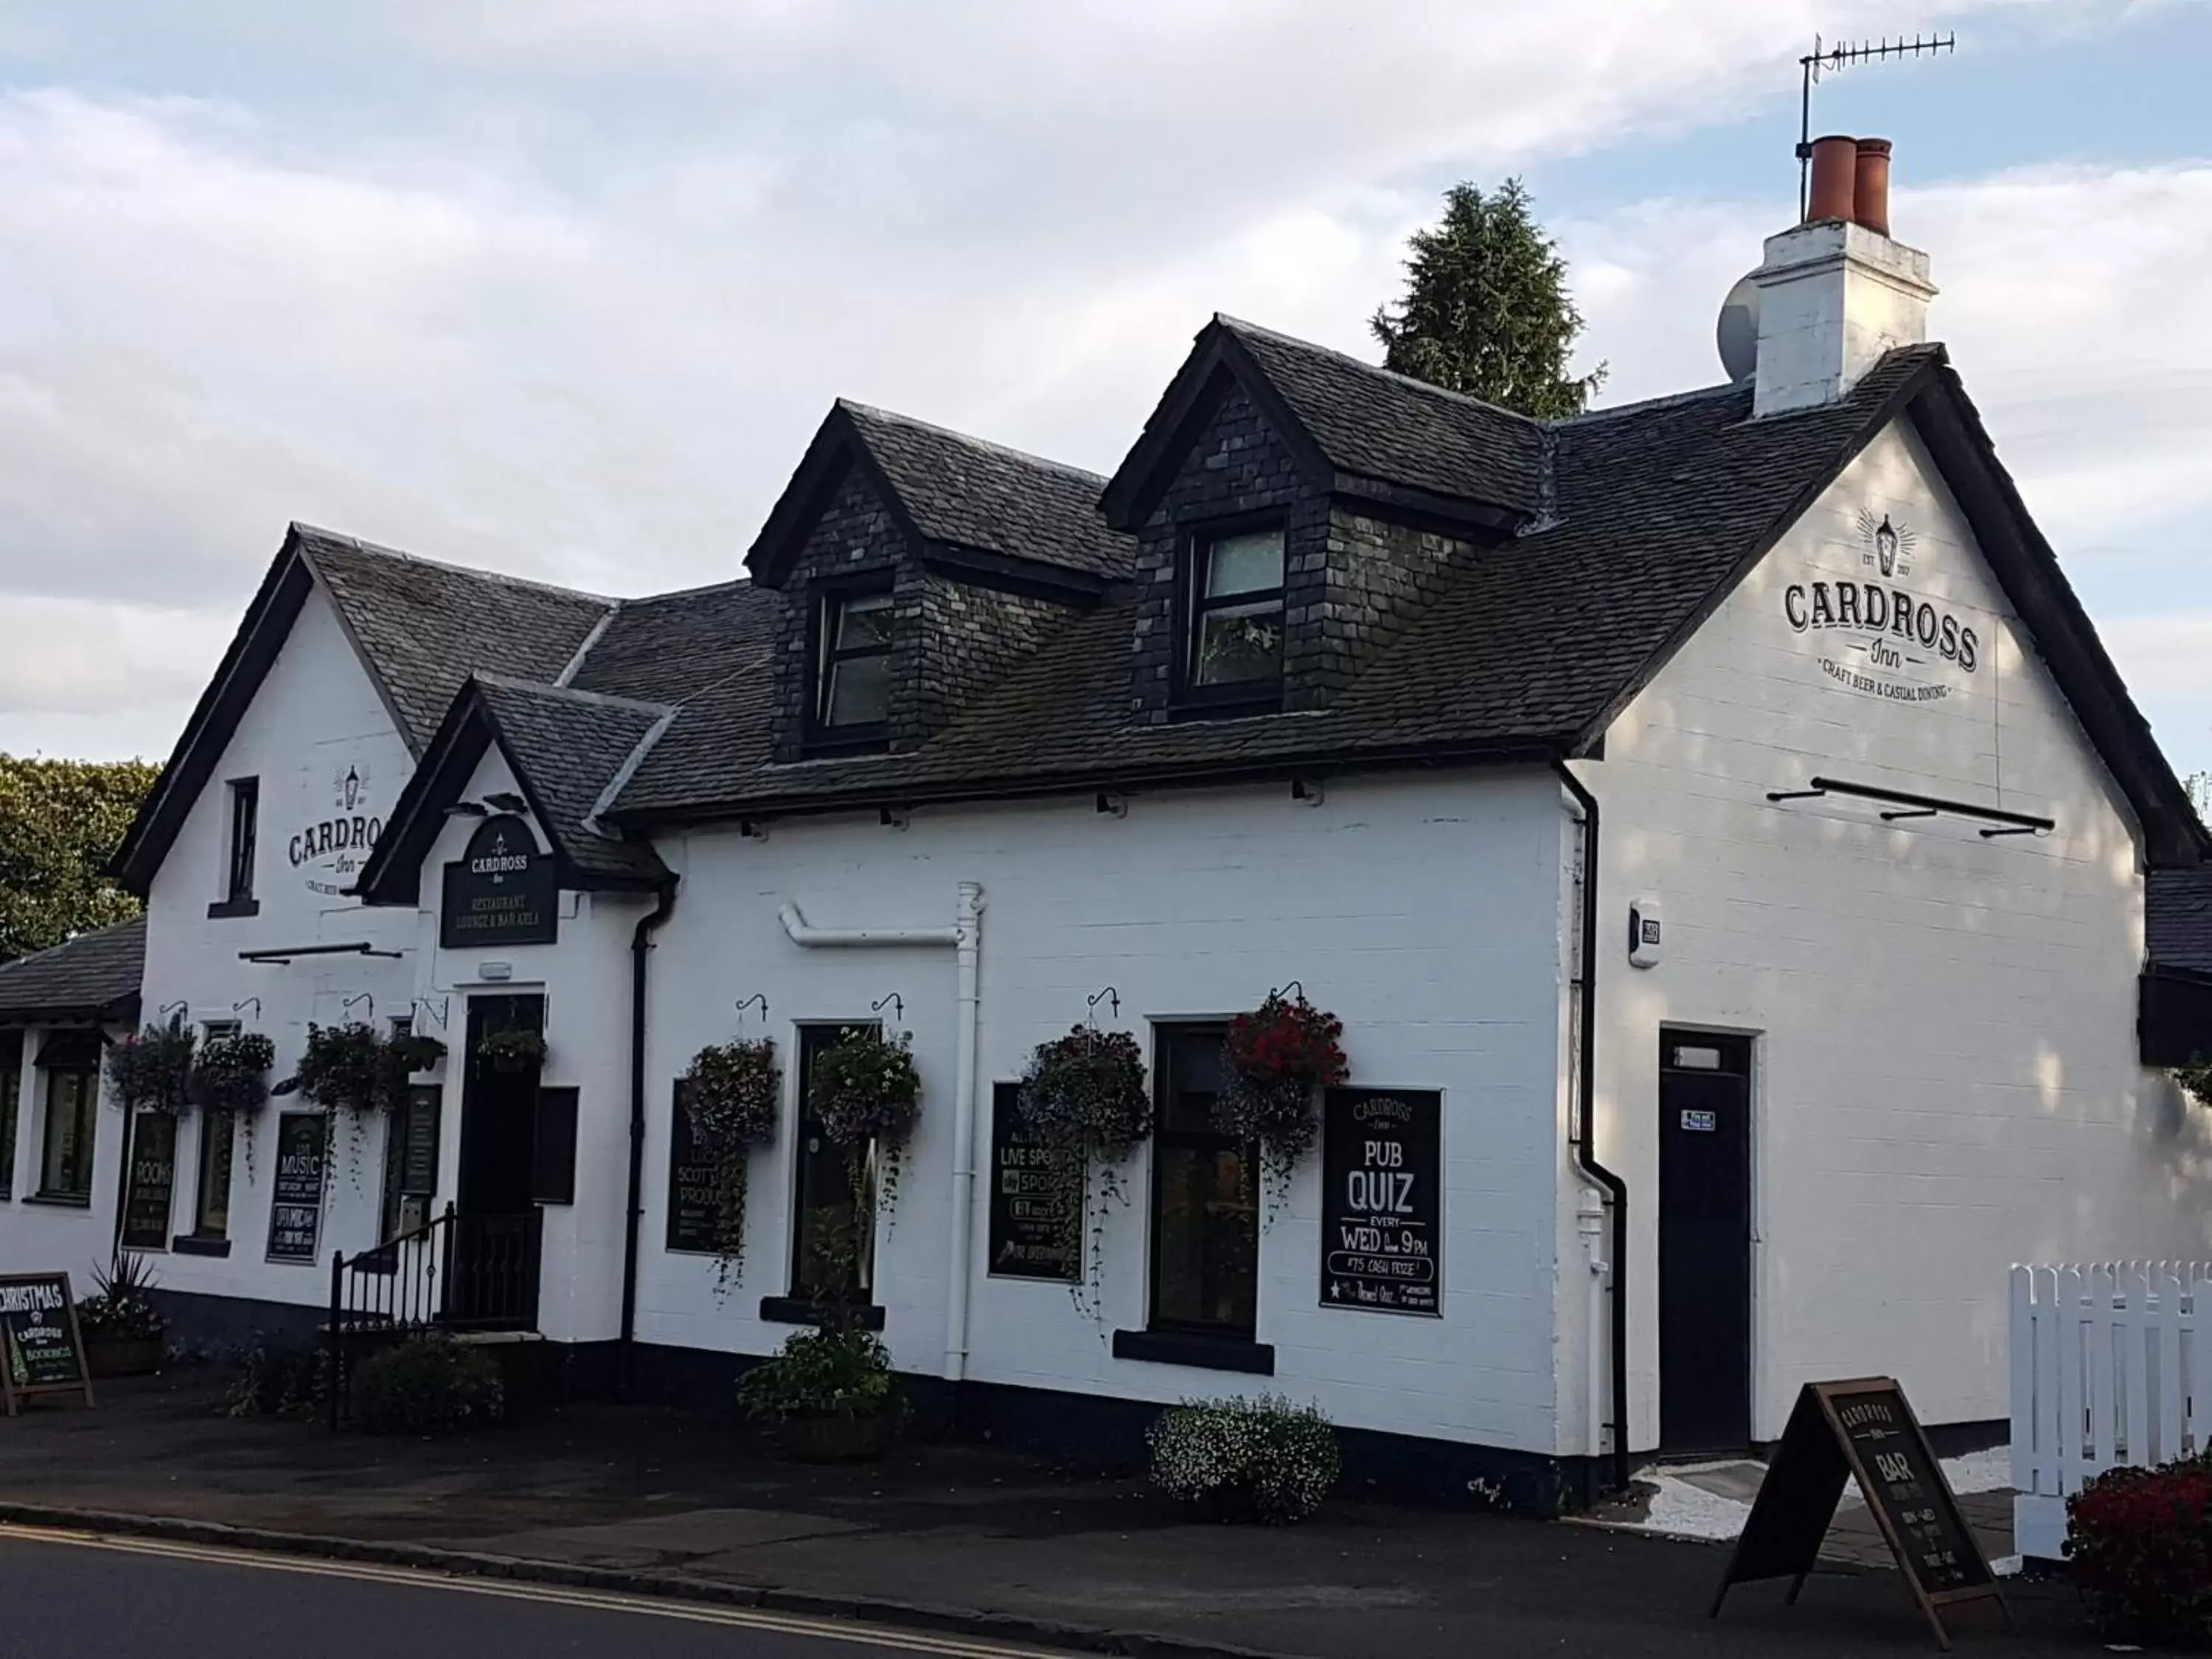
<point>1836,292</point>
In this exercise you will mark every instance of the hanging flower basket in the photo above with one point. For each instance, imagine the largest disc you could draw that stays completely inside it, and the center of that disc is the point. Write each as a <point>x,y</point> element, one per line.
<point>513,1050</point>
<point>866,1093</point>
<point>152,1071</point>
<point>1279,1057</point>
<point>342,1069</point>
<point>730,1097</point>
<point>1086,1092</point>
<point>232,1073</point>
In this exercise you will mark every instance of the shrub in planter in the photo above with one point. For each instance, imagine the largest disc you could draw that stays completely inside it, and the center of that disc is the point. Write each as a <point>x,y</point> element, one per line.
<point>830,1391</point>
<point>2139,1544</point>
<point>864,1089</point>
<point>1279,1057</point>
<point>730,1095</point>
<point>278,1376</point>
<point>152,1070</point>
<point>1084,1097</point>
<point>434,1386</point>
<point>1262,1460</point>
<point>516,1049</point>
<point>121,1327</point>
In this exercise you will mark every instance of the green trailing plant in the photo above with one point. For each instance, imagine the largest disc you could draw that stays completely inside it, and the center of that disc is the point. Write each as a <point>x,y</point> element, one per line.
<point>730,1095</point>
<point>1279,1057</point>
<point>344,1071</point>
<point>1084,1097</point>
<point>821,1373</point>
<point>2139,1546</point>
<point>517,1049</point>
<point>151,1070</point>
<point>433,1386</point>
<point>865,1091</point>
<point>1262,1460</point>
<point>278,1375</point>
<point>232,1075</point>
<point>2195,1080</point>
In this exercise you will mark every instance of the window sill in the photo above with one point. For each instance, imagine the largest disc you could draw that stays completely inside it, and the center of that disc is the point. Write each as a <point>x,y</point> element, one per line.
<point>248,906</point>
<point>59,1201</point>
<point>1240,708</point>
<point>200,1244</point>
<point>832,745</point>
<point>803,1310</point>
<point>1212,1353</point>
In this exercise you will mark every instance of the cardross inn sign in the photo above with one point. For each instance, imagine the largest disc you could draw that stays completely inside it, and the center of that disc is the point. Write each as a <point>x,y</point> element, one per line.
<point>1897,641</point>
<point>332,850</point>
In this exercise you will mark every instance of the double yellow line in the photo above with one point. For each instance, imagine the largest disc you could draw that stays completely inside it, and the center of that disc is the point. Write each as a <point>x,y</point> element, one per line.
<point>785,1624</point>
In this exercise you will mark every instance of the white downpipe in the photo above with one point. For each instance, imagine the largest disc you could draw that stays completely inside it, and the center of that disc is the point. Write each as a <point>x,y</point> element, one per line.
<point>965,936</point>
<point>1589,1222</point>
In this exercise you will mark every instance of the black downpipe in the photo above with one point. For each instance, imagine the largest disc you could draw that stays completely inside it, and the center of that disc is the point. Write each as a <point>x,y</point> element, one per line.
<point>1585,1123</point>
<point>641,944</point>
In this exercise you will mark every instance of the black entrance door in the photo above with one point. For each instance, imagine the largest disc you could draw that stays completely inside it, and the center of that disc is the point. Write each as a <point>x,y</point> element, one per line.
<point>494,1254</point>
<point>1704,1243</point>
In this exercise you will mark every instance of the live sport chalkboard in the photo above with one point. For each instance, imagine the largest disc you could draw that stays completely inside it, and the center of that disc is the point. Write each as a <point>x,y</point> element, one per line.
<point>1382,1162</point>
<point>501,890</point>
<point>1036,1199</point>
<point>41,1350</point>
<point>1863,1429</point>
<point>694,1213</point>
<point>295,1208</point>
<point>153,1181</point>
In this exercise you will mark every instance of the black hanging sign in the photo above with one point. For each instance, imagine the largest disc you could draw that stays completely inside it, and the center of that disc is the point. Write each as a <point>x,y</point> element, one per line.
<point>500,891</point>
<point>418,1147</point>
<point>694,1213</point>
<point>153,1181</point>
<point>41,1350</point>
<point>1036,1199</point>
<point>1861,1429</point>
<point>1382,1172</point>
<point>295,1209</point>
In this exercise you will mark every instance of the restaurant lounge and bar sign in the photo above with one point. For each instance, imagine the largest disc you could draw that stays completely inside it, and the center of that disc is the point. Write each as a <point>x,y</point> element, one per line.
<point>500,891</point>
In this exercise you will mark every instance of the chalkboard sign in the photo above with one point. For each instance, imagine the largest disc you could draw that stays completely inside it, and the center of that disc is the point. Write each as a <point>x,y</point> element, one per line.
<point>418,1145</point>
<point>694,1212</point>
<point>153,1181</point>
<point>295,1209</point>
<point>1861,1429</point>
<point>1382,1160</point>
<point>502,890</point>
<point>1036,1199</point>
<point>41,1350</point>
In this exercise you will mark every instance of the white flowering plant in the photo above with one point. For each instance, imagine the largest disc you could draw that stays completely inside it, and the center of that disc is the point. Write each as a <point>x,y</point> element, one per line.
<point>1264,1459</point>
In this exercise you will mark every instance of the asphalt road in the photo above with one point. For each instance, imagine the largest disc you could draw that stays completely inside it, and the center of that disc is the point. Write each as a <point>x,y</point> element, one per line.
<point>63,1596</point>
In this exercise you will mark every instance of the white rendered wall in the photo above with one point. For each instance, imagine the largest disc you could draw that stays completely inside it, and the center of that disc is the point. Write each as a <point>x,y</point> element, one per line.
<point>37,1238</point>
<point>1423,911</point>
<point>1946,1078</point>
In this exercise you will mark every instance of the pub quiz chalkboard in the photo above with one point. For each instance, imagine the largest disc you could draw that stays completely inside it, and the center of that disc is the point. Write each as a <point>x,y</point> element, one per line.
<point>41,1350</point>
<point>1863,1430</point>
<point>1381,1168</point>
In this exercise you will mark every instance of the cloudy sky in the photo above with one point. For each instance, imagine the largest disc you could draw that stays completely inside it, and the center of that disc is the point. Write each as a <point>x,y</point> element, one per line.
<point>561,287</point>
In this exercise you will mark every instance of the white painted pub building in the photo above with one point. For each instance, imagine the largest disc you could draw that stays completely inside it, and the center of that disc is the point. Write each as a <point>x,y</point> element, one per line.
<point>1714,818</point>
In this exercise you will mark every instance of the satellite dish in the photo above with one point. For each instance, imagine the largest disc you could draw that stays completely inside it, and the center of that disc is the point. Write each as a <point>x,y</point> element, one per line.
<point>1737,333</point>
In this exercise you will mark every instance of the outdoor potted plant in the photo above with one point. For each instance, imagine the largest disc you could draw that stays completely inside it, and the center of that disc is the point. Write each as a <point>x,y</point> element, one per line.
<point>232,1075</point>
<point>152,1069</point>
<point>344,1071</point>
<point>829,1393</point>
<point>866,1093</point>
<point>122,1328</point>
<point>730,1095</point>
<point>513,1050</point>
<point>1279,1057</point>
<point>1084,1097</point>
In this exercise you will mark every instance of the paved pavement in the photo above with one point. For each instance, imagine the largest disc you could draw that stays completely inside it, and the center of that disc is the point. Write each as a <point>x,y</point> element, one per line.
<point>976,1538</point>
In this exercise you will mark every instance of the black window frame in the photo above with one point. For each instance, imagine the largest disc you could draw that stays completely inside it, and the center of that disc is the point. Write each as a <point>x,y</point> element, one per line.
<point>241,846</point>
<point>210,1123</point>
<point>1197,538</point>
<point>829,600</point>
<point>12,1047</point>
<point>87,1084</point>
<point>810,1037</point>
<point>1164,1139</point>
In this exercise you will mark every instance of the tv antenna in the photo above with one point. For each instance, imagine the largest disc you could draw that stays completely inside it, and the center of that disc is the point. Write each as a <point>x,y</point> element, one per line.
<point>1833,60</point>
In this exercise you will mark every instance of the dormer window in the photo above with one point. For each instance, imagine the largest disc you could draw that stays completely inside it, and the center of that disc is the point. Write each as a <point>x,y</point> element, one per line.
<point>1234,584</point>
<point>853,672</point>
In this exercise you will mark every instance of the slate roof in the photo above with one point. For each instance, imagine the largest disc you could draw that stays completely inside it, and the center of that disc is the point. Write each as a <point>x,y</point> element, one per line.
<point>2177,919</point>
<point>425,626</point>
<point>568,746</point>
<point>93,975</point>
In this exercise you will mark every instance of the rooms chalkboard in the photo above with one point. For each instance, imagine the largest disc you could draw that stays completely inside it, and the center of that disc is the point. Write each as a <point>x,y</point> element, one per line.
<point>41,1350</point>
<point>695,1212</point>
<point>1036,1199</point>
<point>295,1209</point>
<point>1382,1166</point>
<point>153,1180</point>
<point>1863,1430</point>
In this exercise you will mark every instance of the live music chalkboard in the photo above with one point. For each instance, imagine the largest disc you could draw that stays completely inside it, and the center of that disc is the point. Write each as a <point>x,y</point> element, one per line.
<point>694,1211</point>
<point>502,890</point>
<point>1036,1199</point>
<point>1861,1429</point>
<point>41,1350</point>
<point>295,1209</point>
<point>153,1180</point>
<point>1381,1163</point>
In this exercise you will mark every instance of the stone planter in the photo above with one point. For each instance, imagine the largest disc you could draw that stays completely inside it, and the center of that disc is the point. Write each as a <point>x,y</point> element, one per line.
<point>122,1356</point>
<point>835,1439</point>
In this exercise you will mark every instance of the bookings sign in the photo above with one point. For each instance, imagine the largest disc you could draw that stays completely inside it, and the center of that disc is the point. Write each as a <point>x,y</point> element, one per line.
<point>500,891</point>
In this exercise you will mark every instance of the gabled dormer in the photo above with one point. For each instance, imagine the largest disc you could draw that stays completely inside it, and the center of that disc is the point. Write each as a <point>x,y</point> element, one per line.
<point>1294,508</point>
<point>917,565</point>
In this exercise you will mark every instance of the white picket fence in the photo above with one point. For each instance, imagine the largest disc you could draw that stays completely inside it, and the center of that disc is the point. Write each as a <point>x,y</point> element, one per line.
<point>2111,1365</point>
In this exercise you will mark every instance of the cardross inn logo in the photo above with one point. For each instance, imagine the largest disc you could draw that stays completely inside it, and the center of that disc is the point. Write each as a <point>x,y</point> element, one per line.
<point>332,850</point>
<point>1888,641</point>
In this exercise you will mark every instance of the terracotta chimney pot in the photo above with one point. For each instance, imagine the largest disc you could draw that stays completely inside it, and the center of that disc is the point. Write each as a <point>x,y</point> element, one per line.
<point>1835,173</point>
<point>1870,185</point>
